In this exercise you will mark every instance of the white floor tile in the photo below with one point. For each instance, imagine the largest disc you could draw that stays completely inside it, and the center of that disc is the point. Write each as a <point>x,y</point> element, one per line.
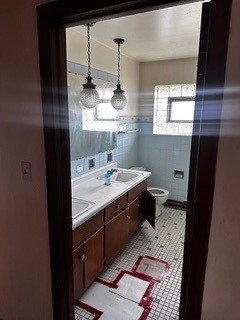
<point>166,242</point>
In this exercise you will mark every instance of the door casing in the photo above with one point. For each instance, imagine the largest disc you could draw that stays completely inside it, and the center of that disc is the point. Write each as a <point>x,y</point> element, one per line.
<point>53,18</point>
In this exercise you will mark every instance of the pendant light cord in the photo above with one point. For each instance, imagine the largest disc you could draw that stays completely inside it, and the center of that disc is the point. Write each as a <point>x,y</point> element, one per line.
<point>118,63</point>
<point>89,50</point>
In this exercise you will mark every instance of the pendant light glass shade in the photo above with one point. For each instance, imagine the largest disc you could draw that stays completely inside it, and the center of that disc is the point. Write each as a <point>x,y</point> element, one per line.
<point>118,100</point>
<point>89,96</point>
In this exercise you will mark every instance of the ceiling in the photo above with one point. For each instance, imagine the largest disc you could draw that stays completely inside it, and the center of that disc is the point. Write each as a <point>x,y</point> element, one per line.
<point>165,34</point>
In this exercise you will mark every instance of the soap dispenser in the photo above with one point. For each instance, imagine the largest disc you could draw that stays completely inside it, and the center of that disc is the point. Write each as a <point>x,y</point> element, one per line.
<point>107,178</point>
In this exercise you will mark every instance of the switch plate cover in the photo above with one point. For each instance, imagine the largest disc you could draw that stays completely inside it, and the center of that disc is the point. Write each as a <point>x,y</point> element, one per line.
<point>26,171</point>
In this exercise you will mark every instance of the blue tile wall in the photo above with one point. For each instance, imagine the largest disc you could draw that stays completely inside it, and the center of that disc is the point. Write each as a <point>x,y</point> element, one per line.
<point>162,154</point>
<point>98,74</point>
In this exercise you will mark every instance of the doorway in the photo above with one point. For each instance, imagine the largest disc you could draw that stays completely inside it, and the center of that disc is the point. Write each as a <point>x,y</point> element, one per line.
<point>53,19</point>
<point>157,64</point>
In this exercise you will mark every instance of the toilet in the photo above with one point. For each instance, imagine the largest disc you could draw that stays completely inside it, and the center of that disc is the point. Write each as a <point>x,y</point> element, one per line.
<point>159,194</point>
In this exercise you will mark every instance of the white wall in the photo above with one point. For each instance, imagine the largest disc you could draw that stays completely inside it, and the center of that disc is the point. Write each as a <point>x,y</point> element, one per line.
<point>163,72</point>
<point>25,283</point>
<point>222,282</point>
<point>105,59</point>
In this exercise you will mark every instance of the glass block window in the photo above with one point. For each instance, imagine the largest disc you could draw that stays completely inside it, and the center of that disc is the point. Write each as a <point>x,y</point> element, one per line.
<point>174,109</point>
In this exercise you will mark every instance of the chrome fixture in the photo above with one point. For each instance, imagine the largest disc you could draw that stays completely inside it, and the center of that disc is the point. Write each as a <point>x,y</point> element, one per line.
<point>118,100</point>
<point>112,171</point>
<point>89,96</point>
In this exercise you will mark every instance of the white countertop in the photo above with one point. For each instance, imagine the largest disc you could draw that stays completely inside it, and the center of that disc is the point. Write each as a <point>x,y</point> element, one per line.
<point>88,187</point>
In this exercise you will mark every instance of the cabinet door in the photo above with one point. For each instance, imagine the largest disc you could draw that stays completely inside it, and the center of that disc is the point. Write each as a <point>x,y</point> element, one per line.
<point>133,213</point>
<point>116,234</point>
<point>94,256</point>
<point>147,208</point>
<point>78,282</point>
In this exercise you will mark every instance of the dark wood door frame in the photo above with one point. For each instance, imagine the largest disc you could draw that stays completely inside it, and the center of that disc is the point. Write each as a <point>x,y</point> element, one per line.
<point>53,18</point>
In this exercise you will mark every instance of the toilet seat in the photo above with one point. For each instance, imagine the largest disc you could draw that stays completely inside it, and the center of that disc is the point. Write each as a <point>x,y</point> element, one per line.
<point>158,192</point>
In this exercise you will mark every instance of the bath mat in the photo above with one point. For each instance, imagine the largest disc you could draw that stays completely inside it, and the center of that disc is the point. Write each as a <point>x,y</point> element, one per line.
<point>149,266</point>
<point>108,301</point>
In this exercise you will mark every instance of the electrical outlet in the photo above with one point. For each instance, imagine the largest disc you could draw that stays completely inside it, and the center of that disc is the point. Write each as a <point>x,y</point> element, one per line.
<point>91,163</point>
<point>79,168</point>
<point>109,157</point>
<point>26,171</point>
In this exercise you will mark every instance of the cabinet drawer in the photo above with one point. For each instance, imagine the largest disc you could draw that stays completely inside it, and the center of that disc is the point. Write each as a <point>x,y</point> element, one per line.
<point>115,207</point>
<point>136,191</point>
<point>87,229</point>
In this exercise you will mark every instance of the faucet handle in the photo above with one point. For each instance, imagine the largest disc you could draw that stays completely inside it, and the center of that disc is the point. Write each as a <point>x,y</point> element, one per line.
<point>113,170</point>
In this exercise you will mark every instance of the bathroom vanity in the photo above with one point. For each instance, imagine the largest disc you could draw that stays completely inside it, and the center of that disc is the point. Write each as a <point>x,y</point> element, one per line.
<point>98,239</point>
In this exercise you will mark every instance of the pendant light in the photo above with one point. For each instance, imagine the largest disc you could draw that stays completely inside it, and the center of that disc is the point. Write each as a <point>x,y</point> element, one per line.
<point>118,100</point>
<point>89,96</point>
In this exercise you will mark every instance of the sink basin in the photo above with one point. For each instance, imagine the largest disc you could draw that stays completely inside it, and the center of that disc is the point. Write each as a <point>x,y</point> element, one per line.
<point>124,176</point>
<point>79,206</point>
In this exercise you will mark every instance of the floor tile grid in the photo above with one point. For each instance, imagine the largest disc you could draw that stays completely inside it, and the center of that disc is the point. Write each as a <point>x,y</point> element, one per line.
<point>81,314</point>
<point>166,243</point>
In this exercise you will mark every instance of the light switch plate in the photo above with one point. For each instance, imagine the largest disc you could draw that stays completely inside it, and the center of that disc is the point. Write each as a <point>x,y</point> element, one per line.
<point>26,171</point>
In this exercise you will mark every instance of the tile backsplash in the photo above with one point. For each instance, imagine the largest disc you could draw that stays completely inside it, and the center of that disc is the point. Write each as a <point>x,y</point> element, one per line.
<point>160,154</point>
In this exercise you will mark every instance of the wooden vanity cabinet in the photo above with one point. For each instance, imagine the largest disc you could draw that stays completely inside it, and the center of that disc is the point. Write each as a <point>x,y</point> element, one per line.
<point>116,234</point>
<point>120,226</point>
<point>88,253</point>
<point>78,276</point>
<point>94,256</point>
<point>146,208</point>
<point>145,203</point>
<point>97,241</point>
<point>134,217</point>
<point>116,206</point>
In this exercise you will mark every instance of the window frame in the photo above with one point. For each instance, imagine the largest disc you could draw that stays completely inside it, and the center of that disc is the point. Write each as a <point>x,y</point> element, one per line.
<point>169,108</point>
<point>96,112</point>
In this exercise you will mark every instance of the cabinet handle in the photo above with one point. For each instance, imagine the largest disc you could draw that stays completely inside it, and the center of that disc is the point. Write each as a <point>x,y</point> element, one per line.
<point>128,217</point>
<point>82,257</point>
<point>138,205</point>
<point>117,206</point>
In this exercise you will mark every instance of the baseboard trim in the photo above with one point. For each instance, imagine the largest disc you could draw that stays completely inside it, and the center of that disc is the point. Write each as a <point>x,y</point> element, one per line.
<point>176,204</point>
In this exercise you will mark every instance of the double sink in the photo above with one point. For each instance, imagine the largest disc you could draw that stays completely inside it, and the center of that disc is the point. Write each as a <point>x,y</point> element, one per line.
<point>79,206</point>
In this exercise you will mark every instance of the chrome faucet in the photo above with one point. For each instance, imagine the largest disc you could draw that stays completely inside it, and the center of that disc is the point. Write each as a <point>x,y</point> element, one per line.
<point>112,170</point>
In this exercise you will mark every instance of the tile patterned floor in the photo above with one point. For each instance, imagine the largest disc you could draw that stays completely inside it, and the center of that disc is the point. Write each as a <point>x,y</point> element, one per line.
<point>166,242</point>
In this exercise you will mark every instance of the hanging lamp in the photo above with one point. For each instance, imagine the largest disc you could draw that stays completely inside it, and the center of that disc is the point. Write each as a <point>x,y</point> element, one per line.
<point>118,100</point>
<point>89,96</point>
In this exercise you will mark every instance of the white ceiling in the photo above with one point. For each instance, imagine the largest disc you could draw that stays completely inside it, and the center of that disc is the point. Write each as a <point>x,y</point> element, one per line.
<point>170,33</point>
